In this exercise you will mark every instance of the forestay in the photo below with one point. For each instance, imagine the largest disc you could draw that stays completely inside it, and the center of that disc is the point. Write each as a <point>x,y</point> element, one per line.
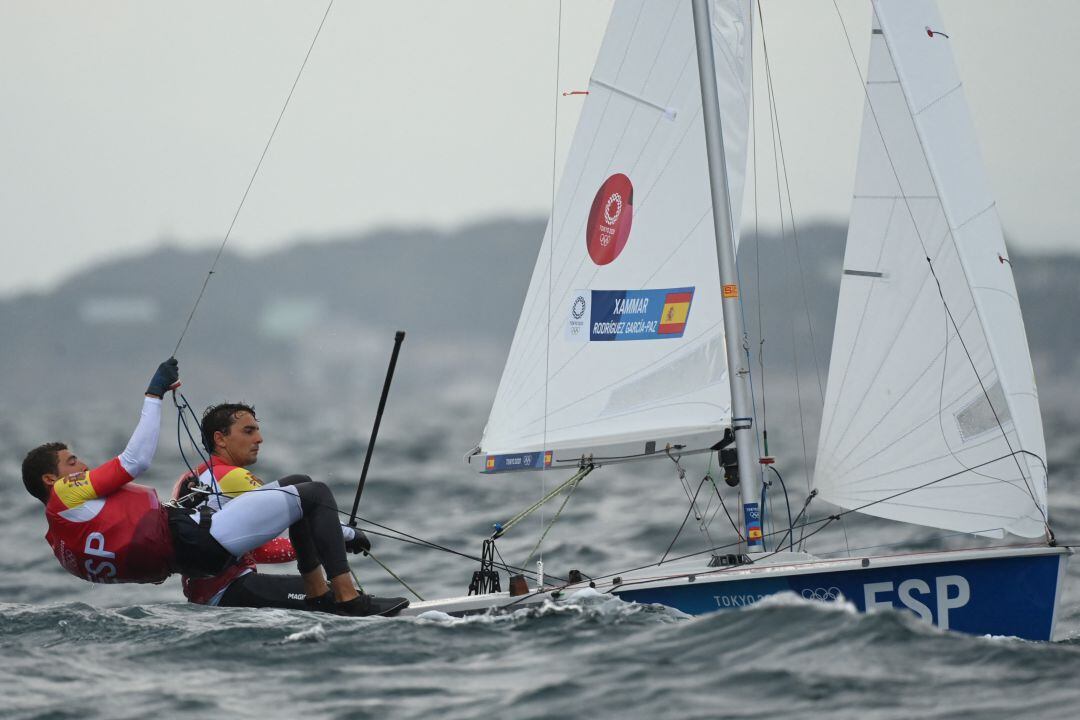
<point>619,353</point>
<point>931,384</point>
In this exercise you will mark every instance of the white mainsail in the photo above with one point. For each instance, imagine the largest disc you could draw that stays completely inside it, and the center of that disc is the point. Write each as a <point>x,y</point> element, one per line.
<point>931,410</point>
<point>619,350</point>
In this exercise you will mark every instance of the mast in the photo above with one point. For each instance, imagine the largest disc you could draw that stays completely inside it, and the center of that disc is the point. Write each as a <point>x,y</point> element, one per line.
<point>738,373</point>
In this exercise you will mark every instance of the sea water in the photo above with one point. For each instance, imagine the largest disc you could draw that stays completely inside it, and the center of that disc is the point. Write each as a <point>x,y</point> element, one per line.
<point>70,649</point>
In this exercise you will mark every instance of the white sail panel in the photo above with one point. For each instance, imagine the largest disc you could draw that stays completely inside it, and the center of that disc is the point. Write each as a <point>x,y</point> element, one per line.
<point>931,413</point>
<point>618,353</point>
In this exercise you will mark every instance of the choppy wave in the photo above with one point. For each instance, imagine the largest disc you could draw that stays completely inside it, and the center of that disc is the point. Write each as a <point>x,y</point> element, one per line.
<point>75,650</point>
<point>593,654</point>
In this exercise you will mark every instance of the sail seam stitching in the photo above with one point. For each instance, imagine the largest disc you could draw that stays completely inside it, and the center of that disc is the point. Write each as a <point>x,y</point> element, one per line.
<point>935,101</point>
<point>907,390</point>
<point>974,217</point>
<point>825,432</point>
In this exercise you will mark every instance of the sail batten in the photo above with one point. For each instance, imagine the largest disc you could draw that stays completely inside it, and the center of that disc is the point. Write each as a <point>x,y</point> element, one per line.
<point>931,409</point>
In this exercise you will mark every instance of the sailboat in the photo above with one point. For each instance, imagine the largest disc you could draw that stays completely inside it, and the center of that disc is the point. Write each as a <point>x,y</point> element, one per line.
<point>629,346</point>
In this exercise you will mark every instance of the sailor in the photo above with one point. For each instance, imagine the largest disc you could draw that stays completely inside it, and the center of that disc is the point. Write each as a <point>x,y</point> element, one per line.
<point>232,437</point>
<point>105,528</point>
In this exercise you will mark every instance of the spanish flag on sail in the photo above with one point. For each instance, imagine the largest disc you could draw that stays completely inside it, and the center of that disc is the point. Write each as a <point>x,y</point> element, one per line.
<point>676,309</point>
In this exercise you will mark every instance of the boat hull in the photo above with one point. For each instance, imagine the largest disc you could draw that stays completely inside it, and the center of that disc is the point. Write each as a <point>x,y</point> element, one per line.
<point>998,591</point>
<point>980,593</point>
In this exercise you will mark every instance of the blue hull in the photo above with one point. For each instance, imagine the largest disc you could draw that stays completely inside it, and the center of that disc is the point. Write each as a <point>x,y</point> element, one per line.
<point>1010,595</point>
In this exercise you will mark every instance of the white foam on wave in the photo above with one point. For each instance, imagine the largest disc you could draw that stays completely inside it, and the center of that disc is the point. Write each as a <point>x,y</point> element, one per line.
<point>587,603</point>
<point>585,594</point>
<point>788,598</point>
<point>313,634</point>
<point>437,616</point>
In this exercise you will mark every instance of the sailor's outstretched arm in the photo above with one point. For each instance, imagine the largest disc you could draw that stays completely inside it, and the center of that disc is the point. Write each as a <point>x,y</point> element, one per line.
<point>136,457</point>
<point>139,453</point>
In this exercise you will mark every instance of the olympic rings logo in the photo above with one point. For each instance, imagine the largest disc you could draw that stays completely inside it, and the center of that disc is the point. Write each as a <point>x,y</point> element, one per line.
<point>830,594</point>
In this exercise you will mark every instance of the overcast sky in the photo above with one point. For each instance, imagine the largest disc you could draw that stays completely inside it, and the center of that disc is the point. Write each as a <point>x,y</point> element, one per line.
<point>124,125</point>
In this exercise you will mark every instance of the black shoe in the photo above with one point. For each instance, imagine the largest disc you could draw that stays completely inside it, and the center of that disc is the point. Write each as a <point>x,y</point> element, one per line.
<point>324,603</point>
<point>359,543</point>
<point>367,605</point>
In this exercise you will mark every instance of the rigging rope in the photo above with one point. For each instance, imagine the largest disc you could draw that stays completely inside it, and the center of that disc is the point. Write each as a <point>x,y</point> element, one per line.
<point>787,501</point>
<point>181,405</point>
<point>501,528</point>
<point>762,443</point>
<point>780,170</point>
<point>779,139</point>
<point>691,508</point>
<point>757,253</point>
<point>820,523</point>
<point>692,497</point>
<point>392,574</point>
<point>555,517</point>
<point>734,525</point>
<point>551,257</point>
<point>251,182</point>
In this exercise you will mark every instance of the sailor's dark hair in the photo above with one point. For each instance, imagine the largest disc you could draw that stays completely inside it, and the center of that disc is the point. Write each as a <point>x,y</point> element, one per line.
<point>41,460</point>
<point>220,418</point>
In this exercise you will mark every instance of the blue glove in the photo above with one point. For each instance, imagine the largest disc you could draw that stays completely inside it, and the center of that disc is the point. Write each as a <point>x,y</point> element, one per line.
<point>168,373</point>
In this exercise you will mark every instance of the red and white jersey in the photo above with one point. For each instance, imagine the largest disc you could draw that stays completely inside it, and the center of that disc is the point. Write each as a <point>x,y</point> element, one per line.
<point>105,528</point>
<point>226,481</point>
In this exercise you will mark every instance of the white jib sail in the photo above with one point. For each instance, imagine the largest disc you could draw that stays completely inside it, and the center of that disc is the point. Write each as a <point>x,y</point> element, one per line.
<point>619,349</point>
<point>931,410</point>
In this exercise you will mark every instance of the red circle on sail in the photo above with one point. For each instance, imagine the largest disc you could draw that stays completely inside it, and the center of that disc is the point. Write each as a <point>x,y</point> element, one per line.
<point>609,219</point>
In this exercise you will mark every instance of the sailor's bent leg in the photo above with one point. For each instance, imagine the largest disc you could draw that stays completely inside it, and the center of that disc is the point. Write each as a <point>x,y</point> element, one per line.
<point>307,555</point>
<point>293,480</point>
<point>256,517</point>
<point>321,518</point>
<point>348,532</point>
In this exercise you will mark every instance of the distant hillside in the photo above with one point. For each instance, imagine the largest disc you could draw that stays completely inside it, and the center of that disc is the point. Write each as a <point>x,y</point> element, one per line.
<point>319,316</point>
<point>306,310</point>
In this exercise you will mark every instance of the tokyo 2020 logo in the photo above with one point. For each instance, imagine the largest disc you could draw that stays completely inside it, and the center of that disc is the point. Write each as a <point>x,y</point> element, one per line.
<point>609,219</point>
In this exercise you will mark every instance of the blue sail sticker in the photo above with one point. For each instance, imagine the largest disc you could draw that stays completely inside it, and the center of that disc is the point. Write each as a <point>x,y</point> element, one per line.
<point>517,461</point>
<point>629,314</point>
